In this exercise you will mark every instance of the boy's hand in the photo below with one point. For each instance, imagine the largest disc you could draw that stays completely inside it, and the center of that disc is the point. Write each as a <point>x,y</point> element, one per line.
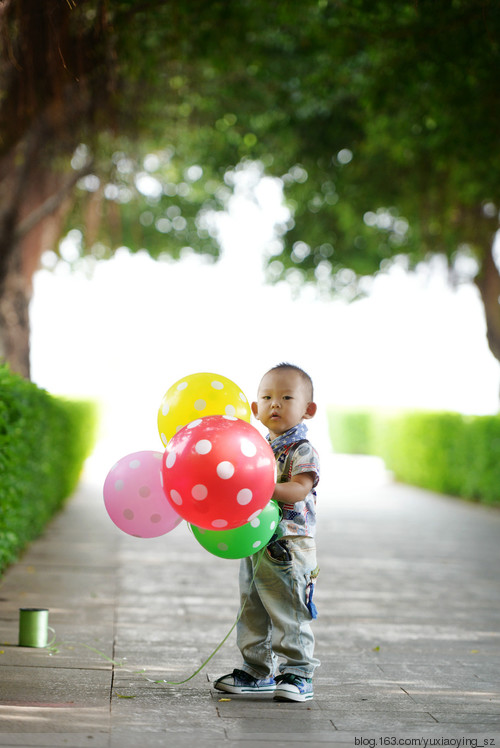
<point>295,489</point>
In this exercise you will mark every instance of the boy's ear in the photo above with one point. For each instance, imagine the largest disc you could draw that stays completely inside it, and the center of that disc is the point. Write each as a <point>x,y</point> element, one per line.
<point>310,410</point>
<point>255,409</point>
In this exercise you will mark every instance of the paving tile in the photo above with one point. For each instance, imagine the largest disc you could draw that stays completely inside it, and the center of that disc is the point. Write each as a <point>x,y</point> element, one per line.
<point>488,721</point>
<point>66,650</point>
<point>86,739</point>
<point>47,685</point>
<point>381,721</point>
<point>19,720</point>
<point>294,730</point>
<point>127,738</point>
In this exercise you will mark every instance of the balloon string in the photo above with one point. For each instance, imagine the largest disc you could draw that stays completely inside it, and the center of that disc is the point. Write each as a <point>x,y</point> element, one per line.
<point>53,646</point>
<point>52,641</point>
<point>221,644</point>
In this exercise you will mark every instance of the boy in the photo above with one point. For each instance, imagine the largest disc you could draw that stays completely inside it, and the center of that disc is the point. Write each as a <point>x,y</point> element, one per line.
<point>276,586</point>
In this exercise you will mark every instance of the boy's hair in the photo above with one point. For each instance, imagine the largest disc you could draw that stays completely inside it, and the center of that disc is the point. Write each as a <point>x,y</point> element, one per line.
<point>291,367</point>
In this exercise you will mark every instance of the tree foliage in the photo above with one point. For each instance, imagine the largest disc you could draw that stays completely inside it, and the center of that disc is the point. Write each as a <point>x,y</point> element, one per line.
<point>420,171</point>
<point>380,118</point>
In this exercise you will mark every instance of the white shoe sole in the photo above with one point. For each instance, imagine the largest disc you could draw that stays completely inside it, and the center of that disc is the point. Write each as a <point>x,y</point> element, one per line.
<point>282,695</point>
<point>226,688</point>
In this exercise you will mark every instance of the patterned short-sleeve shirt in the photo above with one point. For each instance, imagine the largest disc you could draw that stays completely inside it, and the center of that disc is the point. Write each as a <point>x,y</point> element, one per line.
<point>299,518</point>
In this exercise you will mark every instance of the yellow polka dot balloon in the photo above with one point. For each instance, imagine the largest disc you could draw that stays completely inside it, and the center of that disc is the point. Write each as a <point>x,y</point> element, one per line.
<point>196,396</point>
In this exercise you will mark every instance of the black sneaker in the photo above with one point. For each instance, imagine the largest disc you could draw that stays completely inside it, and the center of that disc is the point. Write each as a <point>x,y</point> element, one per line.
<point>241,682</point>
<point>290,687</point>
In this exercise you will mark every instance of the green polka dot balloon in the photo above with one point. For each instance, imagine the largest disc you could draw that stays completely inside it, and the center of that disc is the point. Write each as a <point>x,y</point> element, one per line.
<point>242,541</point>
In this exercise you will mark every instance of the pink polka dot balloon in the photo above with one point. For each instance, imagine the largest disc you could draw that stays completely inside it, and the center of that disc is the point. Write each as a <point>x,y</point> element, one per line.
<point>218,472</point>
<point>134,497</point>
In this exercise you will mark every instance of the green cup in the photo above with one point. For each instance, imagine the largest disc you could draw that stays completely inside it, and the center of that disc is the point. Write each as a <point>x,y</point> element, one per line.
<point>33,627</point>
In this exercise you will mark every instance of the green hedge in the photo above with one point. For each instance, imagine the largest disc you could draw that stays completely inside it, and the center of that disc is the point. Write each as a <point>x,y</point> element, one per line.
<point>44,442</point>
<point>446,452</point>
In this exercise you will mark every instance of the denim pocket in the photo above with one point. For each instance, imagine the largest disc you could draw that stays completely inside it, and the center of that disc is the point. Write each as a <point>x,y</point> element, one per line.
<point>279,552</point>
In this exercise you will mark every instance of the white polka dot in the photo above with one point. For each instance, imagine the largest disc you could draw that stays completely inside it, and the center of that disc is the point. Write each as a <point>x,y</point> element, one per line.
<point>254,515</point>
<point>255,522</point>
<point>194,424</point>
<point>164,409</point>
<point>219,523</point>
<point>244,496</point>
<point>200,404</point>
<point>248,448</point>
<point>203,447</point>
<point>230,418</point>
<point>164,439</point>
<point>243,397</point>
<point>171,458</point>
<point>256,544</point>
<point>119,485</point>
<point>272,525</point>
<point>217,385</point>
<point>182,386</point>
<point>134,464</point>
<point>179,427</point>
<point>230,410</point>
<point>222,546</point>
<point>199,492</point>
<point>225,470</point>
<point>157,455</point>
<point>176,497</point>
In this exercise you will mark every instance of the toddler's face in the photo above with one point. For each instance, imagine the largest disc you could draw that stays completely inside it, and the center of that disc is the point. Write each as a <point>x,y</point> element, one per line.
<point>283,401</point>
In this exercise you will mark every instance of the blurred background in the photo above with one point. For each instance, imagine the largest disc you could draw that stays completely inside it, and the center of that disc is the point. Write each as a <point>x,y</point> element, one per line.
<point>134,326</point>
<point>317,184</point>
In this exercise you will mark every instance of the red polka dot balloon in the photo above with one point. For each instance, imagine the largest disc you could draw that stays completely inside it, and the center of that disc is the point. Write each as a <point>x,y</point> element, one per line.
<point>218,472</point>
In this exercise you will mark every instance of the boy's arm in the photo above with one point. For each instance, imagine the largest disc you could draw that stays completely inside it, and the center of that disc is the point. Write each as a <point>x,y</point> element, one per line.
<point>295,489</point>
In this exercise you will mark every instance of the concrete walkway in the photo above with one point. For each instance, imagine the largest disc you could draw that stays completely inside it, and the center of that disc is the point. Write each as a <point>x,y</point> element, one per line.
<point>408,630</point>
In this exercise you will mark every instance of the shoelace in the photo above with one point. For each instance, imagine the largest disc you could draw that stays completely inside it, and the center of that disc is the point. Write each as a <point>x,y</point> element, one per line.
<point>294,680</point>
<point>242,675</point>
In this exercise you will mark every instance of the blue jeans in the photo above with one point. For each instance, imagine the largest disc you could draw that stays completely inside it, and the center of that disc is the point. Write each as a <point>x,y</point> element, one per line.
<point>275,622</point>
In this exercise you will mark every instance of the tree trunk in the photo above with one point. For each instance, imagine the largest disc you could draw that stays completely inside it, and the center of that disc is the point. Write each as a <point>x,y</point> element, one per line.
<point>488,283</point>
<point>16,288</point>
<point>50,64</point>
<point>34,203</point>
<point>15,296</point>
